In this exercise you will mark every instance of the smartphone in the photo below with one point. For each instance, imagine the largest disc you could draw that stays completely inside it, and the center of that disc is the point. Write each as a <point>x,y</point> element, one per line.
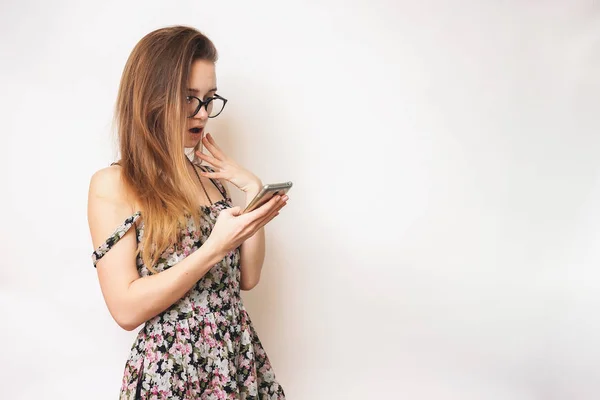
<point>267,192</point>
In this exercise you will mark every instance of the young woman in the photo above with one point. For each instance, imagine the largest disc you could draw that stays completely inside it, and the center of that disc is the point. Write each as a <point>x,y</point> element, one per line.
<point>180,270</point>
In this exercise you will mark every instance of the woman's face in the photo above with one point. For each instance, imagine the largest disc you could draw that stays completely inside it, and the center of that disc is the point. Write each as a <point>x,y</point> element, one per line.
<point>202,84</point>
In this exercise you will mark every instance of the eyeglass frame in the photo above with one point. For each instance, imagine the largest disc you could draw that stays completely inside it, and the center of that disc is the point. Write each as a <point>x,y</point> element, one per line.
<point>206,103</point>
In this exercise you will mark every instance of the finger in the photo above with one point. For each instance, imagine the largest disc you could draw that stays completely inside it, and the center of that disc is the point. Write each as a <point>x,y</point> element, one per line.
<point>214,175</point>
<point>209,159</point>
<point>235,211</point>
<point>264,209</point>
<point>262,221</point>
<point>210,143</point>
<point>280,204</point>
<point>274,210</point>
<point>267,220</point>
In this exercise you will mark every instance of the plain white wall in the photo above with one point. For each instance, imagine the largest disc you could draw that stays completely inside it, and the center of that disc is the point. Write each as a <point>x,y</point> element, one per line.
<point>441,239</point>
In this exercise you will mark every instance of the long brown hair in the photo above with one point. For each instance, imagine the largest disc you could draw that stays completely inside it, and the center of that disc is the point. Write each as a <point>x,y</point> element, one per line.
<point>150,121</point>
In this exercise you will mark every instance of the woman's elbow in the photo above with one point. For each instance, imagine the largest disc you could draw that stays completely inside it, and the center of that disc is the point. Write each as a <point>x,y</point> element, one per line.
<point>127,326</point>
<point>126,321</point>
<point>249,284</point>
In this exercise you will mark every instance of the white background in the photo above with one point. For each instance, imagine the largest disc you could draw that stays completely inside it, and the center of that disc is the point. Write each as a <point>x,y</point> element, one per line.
<point>441,239</point>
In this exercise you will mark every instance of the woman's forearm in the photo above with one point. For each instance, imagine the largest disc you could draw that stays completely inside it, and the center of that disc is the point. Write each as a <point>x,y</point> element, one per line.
<point>252,254</point>
<point>251,259</point>
<point>149,296</point>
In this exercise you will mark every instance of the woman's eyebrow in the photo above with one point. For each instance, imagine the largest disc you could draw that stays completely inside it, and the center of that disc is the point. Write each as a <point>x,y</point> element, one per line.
<point>193,90</point>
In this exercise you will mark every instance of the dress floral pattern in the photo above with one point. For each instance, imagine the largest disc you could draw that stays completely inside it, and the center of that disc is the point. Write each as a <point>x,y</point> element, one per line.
<point>204,346</point>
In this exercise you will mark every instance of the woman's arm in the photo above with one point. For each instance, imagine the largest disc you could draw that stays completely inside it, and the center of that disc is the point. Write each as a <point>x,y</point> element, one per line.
<point>132,300</point>
<point>252,253</point>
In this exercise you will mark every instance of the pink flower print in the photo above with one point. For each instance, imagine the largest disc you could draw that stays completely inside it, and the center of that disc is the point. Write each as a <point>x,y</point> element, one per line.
<point>151,368</point>
<point>249,381</point>
<point>152,356</point>
<point>225,295</point>
<point>168,329</point>
<point>213,298</point>
<point>245,363</point>
<point>158,339</point>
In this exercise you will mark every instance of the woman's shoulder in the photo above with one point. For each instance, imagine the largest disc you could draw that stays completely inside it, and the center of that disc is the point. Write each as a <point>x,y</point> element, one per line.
<point>107,184</point>
<point>109,211</point>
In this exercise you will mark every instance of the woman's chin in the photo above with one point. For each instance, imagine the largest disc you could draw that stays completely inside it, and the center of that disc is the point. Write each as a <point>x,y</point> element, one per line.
<point>191,140</point>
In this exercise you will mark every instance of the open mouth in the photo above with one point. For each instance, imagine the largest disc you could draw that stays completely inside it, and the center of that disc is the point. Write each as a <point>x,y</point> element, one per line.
<point>195,130</point>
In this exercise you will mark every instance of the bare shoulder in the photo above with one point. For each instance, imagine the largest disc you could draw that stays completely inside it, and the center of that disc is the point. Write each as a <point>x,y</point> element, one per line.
<point>109,203</point>
<point>107,184</point>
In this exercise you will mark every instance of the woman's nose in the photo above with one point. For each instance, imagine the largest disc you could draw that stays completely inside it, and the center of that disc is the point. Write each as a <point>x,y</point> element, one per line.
<point>202,113</point>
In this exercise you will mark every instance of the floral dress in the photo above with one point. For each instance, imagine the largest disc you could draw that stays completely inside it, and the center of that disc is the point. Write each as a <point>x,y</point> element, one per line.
<point>204,346</point>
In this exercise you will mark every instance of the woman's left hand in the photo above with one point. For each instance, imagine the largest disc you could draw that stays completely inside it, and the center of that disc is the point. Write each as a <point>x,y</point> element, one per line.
<point>226,168</point>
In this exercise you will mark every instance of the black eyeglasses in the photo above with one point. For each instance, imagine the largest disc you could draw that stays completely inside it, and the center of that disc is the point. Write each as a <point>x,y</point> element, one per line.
<point>213,105</point>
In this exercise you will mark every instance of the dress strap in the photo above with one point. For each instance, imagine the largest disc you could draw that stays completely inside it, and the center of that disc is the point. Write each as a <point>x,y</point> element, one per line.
<point>118,233</point>
<point>215,182</point>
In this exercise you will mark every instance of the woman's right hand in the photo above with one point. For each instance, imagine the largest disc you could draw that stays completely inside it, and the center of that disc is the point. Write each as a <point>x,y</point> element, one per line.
<point>232,228</point>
